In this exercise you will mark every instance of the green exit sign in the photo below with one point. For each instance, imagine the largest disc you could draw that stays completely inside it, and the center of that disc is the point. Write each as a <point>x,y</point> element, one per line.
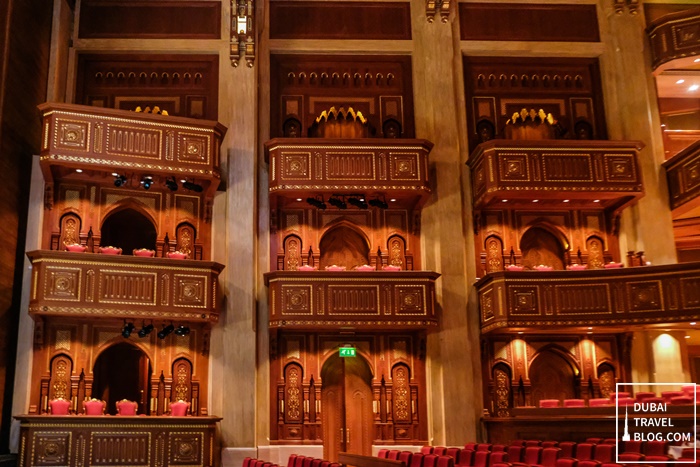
<point>347,351</point>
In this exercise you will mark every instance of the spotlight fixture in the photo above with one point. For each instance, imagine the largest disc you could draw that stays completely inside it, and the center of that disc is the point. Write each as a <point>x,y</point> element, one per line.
<point>187,185</point>
<point>171,183</point>
<point>317,203</point>
<point>378,203</point>
<point>127,330</point>
<point>338,202</point>
<point>145,330</point>
<point>119,180</point>
<point>163,333</point>
<point>358,202</point>
<point>147,181</point>
<point>182,330</point>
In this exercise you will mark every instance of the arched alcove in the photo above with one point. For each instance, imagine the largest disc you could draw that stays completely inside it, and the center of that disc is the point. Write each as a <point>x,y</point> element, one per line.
<point>129,230</point>
<point>606,379</point>
<point>541,247</point>
<point>122,371</point>
<point>552,377</point>
<point>502,395</point>
<point>343,246</point>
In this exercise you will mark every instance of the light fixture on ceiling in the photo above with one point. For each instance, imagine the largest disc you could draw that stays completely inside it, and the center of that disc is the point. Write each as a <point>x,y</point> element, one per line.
<point>146,182</point>
<point>316,202</point>
<point>378,203</point>
<point>171,183</point>
<point>338,201</point>
<point>163,333</point>
<point>187,185</point>
<point>694,87</point>
<point>358,201</point>
<point>145,330</point>
<point>127,330</point>
<point>182,330</point>
<point>119,180</point>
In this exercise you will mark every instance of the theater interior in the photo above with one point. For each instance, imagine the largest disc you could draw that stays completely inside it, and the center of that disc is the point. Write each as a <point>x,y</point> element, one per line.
<point>396,233</point>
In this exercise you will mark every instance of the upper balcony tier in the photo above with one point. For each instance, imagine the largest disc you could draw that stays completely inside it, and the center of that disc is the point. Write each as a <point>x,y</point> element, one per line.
<point>588,174</point>
<point>124,287</point>
<point>109,140</point>
<point>683,175</point>
<point>393,168</point>
<point>378,300</point>
<point>674,37</point>
<point>617,298</point>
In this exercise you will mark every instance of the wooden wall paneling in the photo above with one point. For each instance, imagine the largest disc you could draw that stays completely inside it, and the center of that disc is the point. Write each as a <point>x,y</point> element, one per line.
<point>184,85</point>
<point>340,20</point>
<point>140,19</point>
<point>376,86</point>
<point>545,22</point>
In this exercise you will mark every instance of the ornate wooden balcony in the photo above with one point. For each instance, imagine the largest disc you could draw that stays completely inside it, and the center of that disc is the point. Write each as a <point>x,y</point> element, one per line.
<point>595,297</point>
<point>114,286</point>
<point>591,174</point>
<point>674,36</point>
<point>108,140</point>
<point>396,168</point>
<point>378,300</point>
<point>683,175</point>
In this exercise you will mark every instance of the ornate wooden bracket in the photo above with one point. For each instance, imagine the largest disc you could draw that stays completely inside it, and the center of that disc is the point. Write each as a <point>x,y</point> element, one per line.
<point>434,6</point>
<point>242,31</point>
<point>632,6</point>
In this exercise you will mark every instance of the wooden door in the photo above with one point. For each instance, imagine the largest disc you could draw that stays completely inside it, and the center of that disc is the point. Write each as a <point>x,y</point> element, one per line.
<point>346,398</point>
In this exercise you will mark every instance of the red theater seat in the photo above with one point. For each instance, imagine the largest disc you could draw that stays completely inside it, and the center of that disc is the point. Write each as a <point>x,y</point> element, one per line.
<point>307,461</point>
<point>498,448</point>
<point>633,446</point>
<point>316,462</point>
<point>426,450</point>
<point>481,459</point>
<point>618,395</point>
<point>393,454</point>
<point>383,453</point>
<point>656,448</point>
<point>668,395</point>
<point>609,441</point>
<point>549,457</point>
<point>567,448</point>
<point>599,402</point>
<point>566,462</point>
<point>299,461</point>
<point>515,453</point>
<point>445,461</point>
<point>246,462</point>
<point>466,457</point>
<point>549,444</point>
<point>532,455</point>
<point>417,459</point>
<point>549,403</point>
<point>430,460</point>
<point>584,451</point>
<point>643,395</point>
<point>59,407</point>
<point>680,400</point>
<point>454,453</point>
<point>483,447</point>
<point>471,446</point>
<point>498,458</point>
<point>439,450</point>
<point>588,463</point>
<point>405,457</point>
<point>630,457</point>
<point>290,461</point>
<point>604,453</point>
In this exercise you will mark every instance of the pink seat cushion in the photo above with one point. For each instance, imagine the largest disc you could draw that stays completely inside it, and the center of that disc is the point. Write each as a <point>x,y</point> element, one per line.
<point>110,250</point>
<point>125,407</point>
<point>94,407</point>
<point>177,255</point>
<point>179,408</point>
<point>143,252</point>
<point>59,407</point>
<point>365,267</point>
<point>76,248</point>
<point>306,267</point>
<point>335,268</point>
<point>549,403</point>
<point>391,268</point>
<point>599,402</point>
<point>574,403</point>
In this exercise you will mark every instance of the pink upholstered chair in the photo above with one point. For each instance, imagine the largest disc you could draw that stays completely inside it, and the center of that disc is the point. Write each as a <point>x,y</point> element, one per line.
<point>75,247</point>
<point>125,407</point>
<point>599,403</point>
<point>59,406</point>
<point>549,403</point>
<point>94,407</point>
<point>144,252</point>
<point>109,250</point>
<point>179,408</point>
<point>574,403</point>
<point>640,396</point>
<point>176,255</point>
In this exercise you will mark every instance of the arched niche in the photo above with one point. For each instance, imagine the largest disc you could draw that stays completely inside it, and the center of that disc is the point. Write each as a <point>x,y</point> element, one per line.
<point>182,381</point>
<point>69,225</point>
<point>185,235</point>
<point>343,245</point>
<point>293,393</point>
<point>292,253</point>
<point>502,395</point>
<point>397,251</point>
<point>606,379</point>
<point>128,229</point>
<point>122,371</point>
<point>539,246</point>
<point>60,381</point>
<point>595,248</point>
<point>552,376</point>
<point>494,254</point>
<point>401,378</point>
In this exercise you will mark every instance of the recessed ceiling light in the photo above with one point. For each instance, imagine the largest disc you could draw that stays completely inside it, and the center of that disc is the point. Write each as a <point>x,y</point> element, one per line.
<point>590,328</point>
<point>693,323</point>
<point>79,170</point>
<point>696,60</point>
<point>566,200</point>
<point>504,201</point>
<point>687,337</point>
<point>680,81</point>
<point>393,200</point>
<point>694,87</point>
<point>115,174</point>
<point>520,332</point>
<point>596,201</point>
<point>535,200</point>
<point>299,199</point>
<point>590,332</point>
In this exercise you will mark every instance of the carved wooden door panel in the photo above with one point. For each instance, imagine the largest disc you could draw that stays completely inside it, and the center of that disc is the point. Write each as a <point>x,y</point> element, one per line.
<point>144,383</point>
<point>358,415</point>
<point>333,405</point>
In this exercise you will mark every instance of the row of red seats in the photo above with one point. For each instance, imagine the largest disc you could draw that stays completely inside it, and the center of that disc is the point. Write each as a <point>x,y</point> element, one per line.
<point>252,462</point>
<point>417,459</point>
<point>304,461</point>
<point>686,396</point>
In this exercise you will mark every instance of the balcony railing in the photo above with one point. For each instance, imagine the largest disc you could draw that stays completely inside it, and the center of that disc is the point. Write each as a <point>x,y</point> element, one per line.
<point>683,175</point>
<point>352,299</point>
<point>114,286</point>
<point>595,297</point>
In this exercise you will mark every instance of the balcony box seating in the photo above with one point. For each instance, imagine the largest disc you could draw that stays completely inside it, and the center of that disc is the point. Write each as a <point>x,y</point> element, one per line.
<point>394,454</point>
<point>417,459</point>
<point>498,458</point>
<point>678,400</point>
<point>439,450</point>
<point>549,403</point>
<point>306,267</point>
<point>426,450</point>
<point>481,458</point>
<point>125,407</point>
<point>567,448</point>
<point>599,402</point>
<point>144,252</point>
<point>389,267</point>
<point>668,395</point>
<point>430,460</point>
<point>109,250</point>
<point>604,453</point>
<point>75,248</point>
<point>59,406</point>
<point>584,451</point>
<point>176,255</point>
<point>382,454</point>
<point>613,265</point>
<point>94,407</point>
<point>466,457</point>
<point>453,452</point>
<point>365,267</point>
<point>643,395</point>
<point>405,457</point>
<point>577,267</point>
<point>515,453</point>
<point>655,448</point>
<point>334,268</point>
<point>179,408</point>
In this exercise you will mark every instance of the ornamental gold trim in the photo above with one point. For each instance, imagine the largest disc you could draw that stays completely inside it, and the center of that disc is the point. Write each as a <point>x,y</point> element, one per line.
<point>127,120</point>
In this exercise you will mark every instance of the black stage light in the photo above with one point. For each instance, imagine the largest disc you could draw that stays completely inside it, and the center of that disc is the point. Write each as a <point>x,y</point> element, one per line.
<point>145,330</point>
<point>182,330</point>
<point>358,202</point>
<point>127,329</point>
<point>192,186</point>
<point>163,333</point>
<point>171,183</point>
<point>318,204</point>
<point>337,202</point>
<point>147,181</point>
<point>119,180</point>
<point>378,203</point>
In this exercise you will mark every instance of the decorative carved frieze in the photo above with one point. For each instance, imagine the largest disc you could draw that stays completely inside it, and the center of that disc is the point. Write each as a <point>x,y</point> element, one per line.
<point>674,36</point>
<point>616,297</point>
<point>683,175</point>
<point>351,299</point>
<point>87,284</point>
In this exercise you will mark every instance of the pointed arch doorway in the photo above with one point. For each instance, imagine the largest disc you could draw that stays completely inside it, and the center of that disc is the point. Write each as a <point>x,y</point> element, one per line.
<point>346,398</point>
